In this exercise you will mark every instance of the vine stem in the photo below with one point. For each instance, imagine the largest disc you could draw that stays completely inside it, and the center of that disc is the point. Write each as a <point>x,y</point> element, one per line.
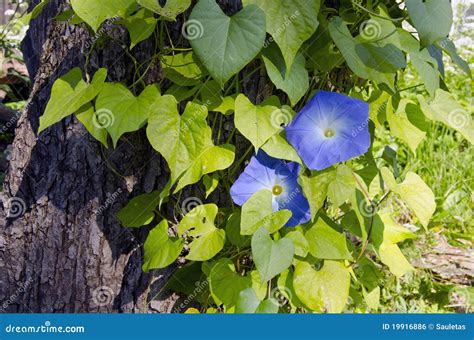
<point>369,232</point>
<point>241,159</point>
<point>377,15</point>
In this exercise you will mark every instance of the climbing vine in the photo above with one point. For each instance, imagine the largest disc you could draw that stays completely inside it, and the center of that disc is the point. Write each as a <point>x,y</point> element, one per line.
<point>306,223</point>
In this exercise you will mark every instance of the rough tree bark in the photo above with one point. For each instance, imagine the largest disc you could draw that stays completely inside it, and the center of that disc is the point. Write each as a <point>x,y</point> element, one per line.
<point>66,252</point>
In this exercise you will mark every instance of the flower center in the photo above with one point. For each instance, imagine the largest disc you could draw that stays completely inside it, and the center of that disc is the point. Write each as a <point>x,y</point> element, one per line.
<point>329,133</point>
<point>277,190</point>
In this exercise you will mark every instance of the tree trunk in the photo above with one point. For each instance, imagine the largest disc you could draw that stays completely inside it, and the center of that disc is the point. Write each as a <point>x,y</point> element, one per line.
<point>61,247</point>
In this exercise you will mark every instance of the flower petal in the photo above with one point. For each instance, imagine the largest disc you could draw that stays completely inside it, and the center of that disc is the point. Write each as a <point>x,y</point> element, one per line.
<point>343,117</point>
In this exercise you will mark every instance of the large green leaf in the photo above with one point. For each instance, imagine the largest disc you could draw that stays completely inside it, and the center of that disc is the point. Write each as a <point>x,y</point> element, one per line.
<point>119,111</point>
<point>377,60</point>
<point>140,210</point>
<point>179,138</point>
<point>225,284</point>
<point>386,234</point>
<point>68,94</point>
<point>425,64</point>
<point>207,239</point>
<point>342,187</point>
<point>431,18</point>
<point>294,83</point>
<point>324,290</point>
<point>225,44</point>
<point>278,147</point>
<point>315,188</point>
<point>256,122</point>
<point>444,108</point>
<point>448,47</point>
<point>170,10</point>
<point>185,141</point>
<point>159,249</point>
<point>299,240</point>
<point>326,243</point>
<point>401,126</point>
<point>232,230</point>
<point>211,159</point>
<point>87,116</point>
<point>290,23</point>
<point>95,12</point>
<point>415,193</point>
<point>392,256</point>
<point>140,26</point>
<point>271,257</point>
<point>248,302</point>
<point>257,212</point>
<point>182,69</point>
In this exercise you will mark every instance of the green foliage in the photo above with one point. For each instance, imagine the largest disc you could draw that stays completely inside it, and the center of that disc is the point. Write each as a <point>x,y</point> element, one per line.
<point>271,257</point>
<point>69,94</point>
<point>290,23</point>
<point>94,13</point>
<point>171,9</point>
<point>201,115</point>
<point>226,44</point>
<point>323,290</point>
<point>255,122</point>
<point>160,250</point>
<point>438,11</point>
<point>123,112</point>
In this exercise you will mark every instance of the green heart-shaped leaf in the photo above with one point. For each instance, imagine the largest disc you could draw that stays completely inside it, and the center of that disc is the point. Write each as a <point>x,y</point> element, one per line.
<point>225,44</point>
<point>225,284</point>
<point>159,249</point>
<point>170,10</point>
<point>120,111</point>
<point>324,290</point>
<point>271,257</point>
<point>69,94</point>
<point>431,18</point>
<point>96,12</point>
<point>207,239</point>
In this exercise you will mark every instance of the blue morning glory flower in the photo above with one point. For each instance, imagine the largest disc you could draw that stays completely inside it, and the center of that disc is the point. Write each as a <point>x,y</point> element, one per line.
<point>278,176</point>
<point>331,128</point>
